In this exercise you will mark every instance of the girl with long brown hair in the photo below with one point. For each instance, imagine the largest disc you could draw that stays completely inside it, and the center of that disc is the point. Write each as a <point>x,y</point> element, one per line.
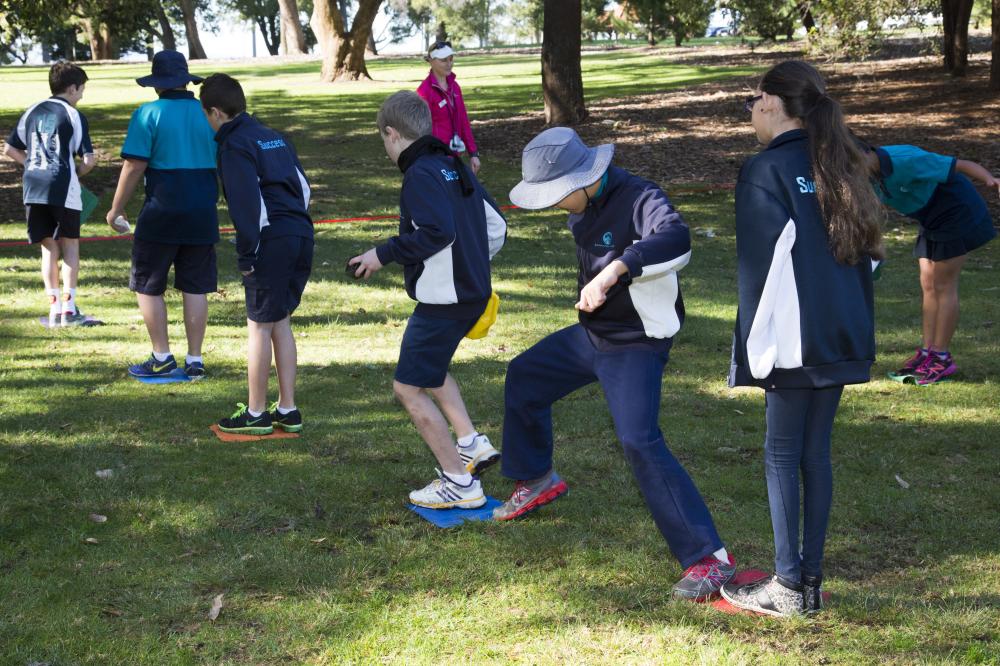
<point>807,234</point>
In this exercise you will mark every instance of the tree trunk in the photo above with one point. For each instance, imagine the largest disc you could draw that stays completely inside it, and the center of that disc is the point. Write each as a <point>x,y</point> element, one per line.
<point>99,36</point>
<point>562,81</point>
<point>963,13</point>
<point>195,50</point>
<point>995,58</point>
<point>442,34</point>
<point>805,13</point>
<point>271,34</point>
<point>371,47</point>
<point>166,30</point>
<point>293,39</point>
<point>343,49</point>
<point>948,33</point>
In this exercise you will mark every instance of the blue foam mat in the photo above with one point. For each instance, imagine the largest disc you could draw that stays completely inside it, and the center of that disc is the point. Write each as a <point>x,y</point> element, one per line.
<point>176,375</point>
<point>452,517</point>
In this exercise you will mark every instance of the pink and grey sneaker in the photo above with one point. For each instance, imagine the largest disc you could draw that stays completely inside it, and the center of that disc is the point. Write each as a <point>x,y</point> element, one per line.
<point>703,579</point>
<point>939,367</point>
<point>910,366</point>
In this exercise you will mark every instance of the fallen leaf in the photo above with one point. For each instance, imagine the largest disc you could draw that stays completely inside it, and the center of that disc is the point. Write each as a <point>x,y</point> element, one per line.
<point>738,412</point>
<point>91,541</point>
<point>111,612</point>
<point>98,518</point>
<point>213,612</point>
<point>319,540</point>
<point>902,483</point>
<point>104,473</point>
<point>727,449</point>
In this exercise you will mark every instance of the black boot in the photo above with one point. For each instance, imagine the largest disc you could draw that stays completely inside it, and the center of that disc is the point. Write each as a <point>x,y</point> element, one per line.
<point>812,593</point>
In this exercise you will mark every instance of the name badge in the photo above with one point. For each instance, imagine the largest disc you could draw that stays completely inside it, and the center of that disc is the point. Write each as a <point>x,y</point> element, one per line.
<point>443,103</point>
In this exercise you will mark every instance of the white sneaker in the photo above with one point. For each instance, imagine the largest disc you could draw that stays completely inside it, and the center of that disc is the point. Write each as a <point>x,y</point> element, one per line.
<point>443,493</point>
<point>479,455</point>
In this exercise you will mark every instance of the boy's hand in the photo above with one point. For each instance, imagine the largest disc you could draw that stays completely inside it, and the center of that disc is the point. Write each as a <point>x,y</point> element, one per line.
<point>593,295</point>
<point>366,264</point>
<point>993,181</point>
<point>113,215</point>
<point>475,164</point>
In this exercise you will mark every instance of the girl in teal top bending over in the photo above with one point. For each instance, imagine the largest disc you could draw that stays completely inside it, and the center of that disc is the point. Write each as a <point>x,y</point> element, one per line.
<point>936,191</point>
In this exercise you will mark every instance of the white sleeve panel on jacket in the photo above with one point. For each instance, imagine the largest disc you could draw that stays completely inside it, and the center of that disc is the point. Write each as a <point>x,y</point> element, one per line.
<point>775,339</point>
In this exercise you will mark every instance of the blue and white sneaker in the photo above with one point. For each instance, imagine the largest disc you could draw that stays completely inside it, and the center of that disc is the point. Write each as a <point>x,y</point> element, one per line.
<point>194,369</point>
<point>153,368</point>
<point>443,493</point>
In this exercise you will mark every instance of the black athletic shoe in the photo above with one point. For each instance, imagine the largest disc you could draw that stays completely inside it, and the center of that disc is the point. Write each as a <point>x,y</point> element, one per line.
<point>290,422</point>
<point>242,423</point>
<point>194,369</point>
<point>153,368</point>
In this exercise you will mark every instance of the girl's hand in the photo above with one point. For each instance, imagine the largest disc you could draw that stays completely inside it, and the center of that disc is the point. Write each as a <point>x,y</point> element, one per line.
<point>475,164</point>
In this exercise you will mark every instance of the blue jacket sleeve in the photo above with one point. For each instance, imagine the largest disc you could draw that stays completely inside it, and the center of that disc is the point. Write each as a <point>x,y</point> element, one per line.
<point>665,242</point>
<point>86,147</point>
<point>433,223</point>
<point>760,220</point>
<point>241,186</point>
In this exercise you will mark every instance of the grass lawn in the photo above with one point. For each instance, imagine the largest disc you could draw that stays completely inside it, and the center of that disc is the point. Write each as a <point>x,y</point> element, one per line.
<point>309,539</point>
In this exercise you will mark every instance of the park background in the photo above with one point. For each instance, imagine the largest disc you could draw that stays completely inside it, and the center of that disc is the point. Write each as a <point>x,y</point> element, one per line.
<point>308,540</point>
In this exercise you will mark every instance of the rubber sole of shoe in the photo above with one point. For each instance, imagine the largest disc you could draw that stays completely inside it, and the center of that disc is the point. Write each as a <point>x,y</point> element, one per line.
<point>549,495</point>
<point>900,377</point>
<point>151,374</point>
<point>460,504</point>
<point>288,428</point>
<point>477,467</point>
<point>248,431</point>
<point>926,384</point>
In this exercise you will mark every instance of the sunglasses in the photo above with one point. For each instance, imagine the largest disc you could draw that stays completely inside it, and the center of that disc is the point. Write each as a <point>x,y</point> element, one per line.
<point>750,101</point>
<point>440,45</point>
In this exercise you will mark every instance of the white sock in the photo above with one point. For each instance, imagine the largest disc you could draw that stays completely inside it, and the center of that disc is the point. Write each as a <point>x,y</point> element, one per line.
<point>468,439</point>
<point>69,300</point>
<point>253,413</point>
<point>52,292</point>
<point>161,357</point>
<point>461,479</point>
<point>283,411</point>
<point>721,555</point>
<point>192,359</point>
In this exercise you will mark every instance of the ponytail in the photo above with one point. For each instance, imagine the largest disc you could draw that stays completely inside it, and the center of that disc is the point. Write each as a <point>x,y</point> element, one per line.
<point>851,210</point>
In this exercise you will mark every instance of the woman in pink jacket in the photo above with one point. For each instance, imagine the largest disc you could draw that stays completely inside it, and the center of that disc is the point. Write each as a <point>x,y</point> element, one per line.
<point>444,97</point>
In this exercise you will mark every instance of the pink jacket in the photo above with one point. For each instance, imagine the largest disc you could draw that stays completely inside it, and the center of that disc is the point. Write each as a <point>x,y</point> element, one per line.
<point>448,111</point>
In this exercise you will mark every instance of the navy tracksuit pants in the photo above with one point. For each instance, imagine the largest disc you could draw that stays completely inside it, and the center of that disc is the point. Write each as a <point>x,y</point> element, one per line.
<point>567,360</point>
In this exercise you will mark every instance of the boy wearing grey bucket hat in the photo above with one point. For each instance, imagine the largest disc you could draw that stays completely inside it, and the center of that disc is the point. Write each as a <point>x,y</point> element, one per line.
<point>630,244</point>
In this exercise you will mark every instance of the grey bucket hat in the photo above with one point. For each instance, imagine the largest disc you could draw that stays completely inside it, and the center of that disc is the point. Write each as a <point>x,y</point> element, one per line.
<point>555,164</point>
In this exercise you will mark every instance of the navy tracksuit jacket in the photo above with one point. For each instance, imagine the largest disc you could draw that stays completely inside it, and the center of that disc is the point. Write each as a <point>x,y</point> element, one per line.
<point>804,321</point>
<point>265,186</point>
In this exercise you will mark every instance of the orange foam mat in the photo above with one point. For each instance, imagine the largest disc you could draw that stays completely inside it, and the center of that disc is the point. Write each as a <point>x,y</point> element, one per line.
<point>234,437</point>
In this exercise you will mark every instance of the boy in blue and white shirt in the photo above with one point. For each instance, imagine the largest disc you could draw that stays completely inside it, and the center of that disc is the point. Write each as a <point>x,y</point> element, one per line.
<point>268,197</point>
<point>630,243</point>
<point>47,138</point>
<point>449,231</point>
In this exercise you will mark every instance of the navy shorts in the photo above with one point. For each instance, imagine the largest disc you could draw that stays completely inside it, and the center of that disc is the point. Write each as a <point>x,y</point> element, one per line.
<point>54,222</point>
<point>195,271</point>
<point>279,277</point>
<point>955,222</point>
<point>427,347</point>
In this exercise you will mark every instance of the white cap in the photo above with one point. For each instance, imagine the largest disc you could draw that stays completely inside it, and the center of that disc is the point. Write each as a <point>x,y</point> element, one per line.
<point>441,53</point>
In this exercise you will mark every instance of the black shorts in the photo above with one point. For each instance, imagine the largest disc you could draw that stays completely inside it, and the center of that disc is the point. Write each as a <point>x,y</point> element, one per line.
<point>195,271</point>
<point>427,348</point>
<point>54,222</point>
<point>279,277</point>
